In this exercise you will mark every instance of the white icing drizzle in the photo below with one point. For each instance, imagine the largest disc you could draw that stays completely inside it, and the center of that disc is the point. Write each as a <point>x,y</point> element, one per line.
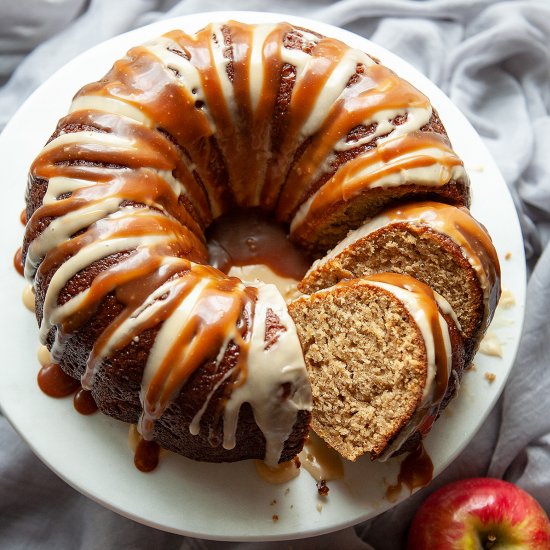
<point>62,228</point>
<point>87,139</point>
<point>259,272</point>
<point>43,355</point>
<point>28,297</point>
<point>59,185</point>
<point>217,48</point>
<point>256,65</point>
<point>268,369</point>
<point>110,105</point>
<point>333,88</point>
<point>146,311</point>
<point>82,259</point>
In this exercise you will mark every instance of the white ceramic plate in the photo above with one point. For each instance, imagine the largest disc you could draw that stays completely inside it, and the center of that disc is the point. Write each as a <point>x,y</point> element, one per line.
<point>225,501</point>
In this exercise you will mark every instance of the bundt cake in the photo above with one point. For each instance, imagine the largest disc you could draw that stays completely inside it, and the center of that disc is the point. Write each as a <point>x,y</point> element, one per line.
<point>439,244</point>
<point>380,353</point>
<point>184,130</point>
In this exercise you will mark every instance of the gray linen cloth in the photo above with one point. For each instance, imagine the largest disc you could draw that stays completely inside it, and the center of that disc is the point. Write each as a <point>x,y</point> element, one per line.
<point>492,58</point>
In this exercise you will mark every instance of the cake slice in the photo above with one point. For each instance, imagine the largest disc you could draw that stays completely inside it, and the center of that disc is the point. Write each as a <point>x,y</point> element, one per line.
<point>441,245</point>
<point>383,356</point>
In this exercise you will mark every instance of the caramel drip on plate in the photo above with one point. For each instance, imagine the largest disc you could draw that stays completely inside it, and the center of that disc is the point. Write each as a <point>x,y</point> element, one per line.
<point>415,471</point>
<point>55,383</point>
<point>84,402</point>
<point>146,457</point>
<point>18,262</point>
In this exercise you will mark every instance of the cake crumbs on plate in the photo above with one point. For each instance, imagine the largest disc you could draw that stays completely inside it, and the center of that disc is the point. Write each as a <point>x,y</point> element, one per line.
<point>273,502</point>
<point>507,299</point>
<point>275,517</point>
<point>490,345</point>
<point>322,488</point>
<point>490,377</point>
<point>508,256</point>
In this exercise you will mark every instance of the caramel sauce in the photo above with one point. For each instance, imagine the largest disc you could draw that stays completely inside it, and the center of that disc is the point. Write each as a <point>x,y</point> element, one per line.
<point>84,402</point>
<point>251,237</point>
<point>146,457</point>
<point>415,471</point>
<point>56,383</point>
<point>283,472</point>
<point>18,262</point>
<point>320,460</point>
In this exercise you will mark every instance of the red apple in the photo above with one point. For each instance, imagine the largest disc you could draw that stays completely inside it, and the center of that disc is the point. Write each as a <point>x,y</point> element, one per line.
<point>480,513</point>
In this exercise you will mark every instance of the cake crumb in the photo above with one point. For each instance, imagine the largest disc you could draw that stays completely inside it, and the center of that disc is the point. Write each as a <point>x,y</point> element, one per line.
<point>273,502</point>
<point>319,507</point>
<point>322,488</point>
<point>275,517</point>
<point>508,256</point>
<point>507,299</point>
<point>490,377</point>
<point>287,490</point>
<point>490,345</point>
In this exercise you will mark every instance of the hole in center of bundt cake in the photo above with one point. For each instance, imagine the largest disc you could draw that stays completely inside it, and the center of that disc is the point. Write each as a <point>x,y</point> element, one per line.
<point>251,244</point>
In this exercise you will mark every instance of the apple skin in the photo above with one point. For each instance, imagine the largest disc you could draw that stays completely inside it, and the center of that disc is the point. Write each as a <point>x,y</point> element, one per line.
<point>467,514</point>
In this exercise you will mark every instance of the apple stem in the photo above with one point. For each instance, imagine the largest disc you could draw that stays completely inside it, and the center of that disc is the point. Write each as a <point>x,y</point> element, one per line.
<point>490,542</point>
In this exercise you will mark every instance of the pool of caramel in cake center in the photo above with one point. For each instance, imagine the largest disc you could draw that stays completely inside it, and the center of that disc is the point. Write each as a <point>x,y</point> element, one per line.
<point>253,237</point>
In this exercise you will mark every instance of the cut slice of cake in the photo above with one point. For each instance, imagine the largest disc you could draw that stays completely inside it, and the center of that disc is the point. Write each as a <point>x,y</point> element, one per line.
<point>441,245</point>
<point>383,356</point>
